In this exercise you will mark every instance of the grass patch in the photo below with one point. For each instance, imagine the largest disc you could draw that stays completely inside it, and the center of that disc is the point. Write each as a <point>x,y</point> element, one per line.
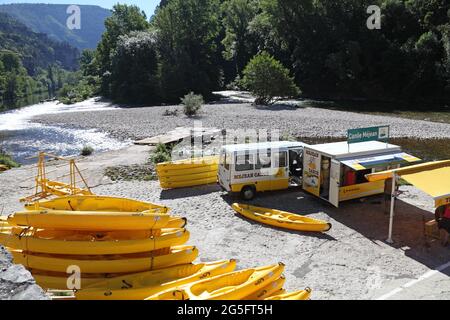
<point>131,173</point>
<point>7,160</point>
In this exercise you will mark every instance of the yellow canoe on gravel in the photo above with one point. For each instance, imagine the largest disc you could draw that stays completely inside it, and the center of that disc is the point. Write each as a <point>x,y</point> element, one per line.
<point>59,281</point>
<point>268,290</point>
<point>140,286</point>
<point>231,286</point>
<point>92,243</point>
<point>298,295</point>
<point>170,173</point>
<point>89,220</point>
<point>174,223</point>
<point>188,163</point>
<point>128,263</point>
<point>188,183</point>
<point>96,203</point>
<point>281,219</point>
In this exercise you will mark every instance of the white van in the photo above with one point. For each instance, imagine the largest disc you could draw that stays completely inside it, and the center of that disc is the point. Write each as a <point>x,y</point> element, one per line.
<point>258,167</point>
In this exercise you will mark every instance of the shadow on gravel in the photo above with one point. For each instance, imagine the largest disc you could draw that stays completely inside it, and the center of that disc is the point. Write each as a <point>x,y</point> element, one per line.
<point>368,218</point>
<point>278,107</point>
<point>172,194</point>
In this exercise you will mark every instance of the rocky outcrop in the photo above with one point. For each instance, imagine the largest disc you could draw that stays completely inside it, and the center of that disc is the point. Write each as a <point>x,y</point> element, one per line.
<point>17,283</point>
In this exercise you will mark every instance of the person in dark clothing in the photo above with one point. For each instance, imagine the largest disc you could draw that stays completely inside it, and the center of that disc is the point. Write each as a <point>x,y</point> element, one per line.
<point>442,216</point>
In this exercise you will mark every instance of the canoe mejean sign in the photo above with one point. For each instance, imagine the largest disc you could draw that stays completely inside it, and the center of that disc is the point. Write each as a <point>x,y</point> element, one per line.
<point>368,134</point>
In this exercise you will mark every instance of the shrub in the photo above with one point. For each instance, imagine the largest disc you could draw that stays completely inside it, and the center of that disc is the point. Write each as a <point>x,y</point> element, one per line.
<point>87,151</point>
<point>161,154</point>
<point>170,113</point>
<point>6,160</point>
<point>192,103</point>
<point>268,80</point>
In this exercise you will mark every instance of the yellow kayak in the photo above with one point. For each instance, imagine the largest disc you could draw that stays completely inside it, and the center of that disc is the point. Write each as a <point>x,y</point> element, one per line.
<point>89,220</point>
<point>140,286</point>
<point>281,219</point>
<point>298,295</point>
<point>231,286</point>
<point>92,243</point>
<point>62,189</point>
<point>190,183</point>
<point>96,203</point>
<point>268,290</point>
<point>176,222</point>
<point>188,163</point>
<point>58,280</point>
<point>128,263</point>
<point>189,177</point>
<point>164,173</point>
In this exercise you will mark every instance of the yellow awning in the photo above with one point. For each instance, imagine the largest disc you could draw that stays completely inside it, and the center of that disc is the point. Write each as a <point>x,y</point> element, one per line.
<point>433,178</point>
<point>365,163</point>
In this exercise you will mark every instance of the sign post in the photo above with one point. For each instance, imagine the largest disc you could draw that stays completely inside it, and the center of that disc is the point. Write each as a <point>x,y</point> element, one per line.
<point>368,134</point>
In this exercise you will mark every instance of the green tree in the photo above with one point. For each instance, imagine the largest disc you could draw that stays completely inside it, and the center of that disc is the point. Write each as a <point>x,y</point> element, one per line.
<point>135,69</point>
<point>124,19</point>
<point>239,42</point>
<point>268,79</point>
<point>187,34</point>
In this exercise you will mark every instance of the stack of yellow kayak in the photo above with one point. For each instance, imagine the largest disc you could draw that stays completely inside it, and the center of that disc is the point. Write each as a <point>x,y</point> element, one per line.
<point>100,235</point>
<point>127,249</point>
<point>281,219</point>
<point>188,173</point>
<point>249,284</point>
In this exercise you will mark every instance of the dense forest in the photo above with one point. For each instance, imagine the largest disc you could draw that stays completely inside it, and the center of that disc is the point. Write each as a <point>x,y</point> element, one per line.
<point>205,45</point>
<point>31,63</point>
<point>51,19</point>
<point>313,48</point>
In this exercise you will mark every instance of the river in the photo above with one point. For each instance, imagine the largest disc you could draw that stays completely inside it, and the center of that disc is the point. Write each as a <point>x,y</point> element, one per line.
<point>22,138</point>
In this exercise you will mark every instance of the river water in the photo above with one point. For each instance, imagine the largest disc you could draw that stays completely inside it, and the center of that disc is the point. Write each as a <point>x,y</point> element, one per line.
<point>22,138</point>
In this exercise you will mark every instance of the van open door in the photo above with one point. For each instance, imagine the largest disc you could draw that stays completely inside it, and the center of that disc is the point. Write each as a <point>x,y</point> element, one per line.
<point>335,182</point>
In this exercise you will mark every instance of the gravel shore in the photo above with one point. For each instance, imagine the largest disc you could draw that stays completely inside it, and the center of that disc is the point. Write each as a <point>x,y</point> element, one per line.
<point>138,123</point>
<point>351,261</point>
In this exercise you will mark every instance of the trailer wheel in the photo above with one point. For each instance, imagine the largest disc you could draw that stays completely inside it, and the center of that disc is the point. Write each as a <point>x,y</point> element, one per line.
<point>248,192</point>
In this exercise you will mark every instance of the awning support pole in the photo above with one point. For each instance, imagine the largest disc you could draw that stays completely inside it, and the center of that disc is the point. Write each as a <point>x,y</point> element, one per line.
<point>391,218</point>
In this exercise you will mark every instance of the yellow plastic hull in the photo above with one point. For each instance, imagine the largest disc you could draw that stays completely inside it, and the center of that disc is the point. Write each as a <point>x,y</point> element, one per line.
<point>96,203</point>
<point>176,222</point>
<point>107,264</point>
<point>231,286</point>
<point>89,220</point>
<point>77,243</point>
<point>298,295</point>
<point>140,286</point>
<point>187,178</point>
<point>186,184</point>
<point>186,172</point>
<point>281,219</point>
<point>188,163</point>
<point>268,290</point>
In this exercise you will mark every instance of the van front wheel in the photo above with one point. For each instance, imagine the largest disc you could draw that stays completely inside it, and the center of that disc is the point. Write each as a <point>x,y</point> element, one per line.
<point>248,193</point>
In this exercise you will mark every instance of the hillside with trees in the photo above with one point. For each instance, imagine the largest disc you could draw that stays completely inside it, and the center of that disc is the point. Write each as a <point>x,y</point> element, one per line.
<point>51,19</point>
<point>31,63</point>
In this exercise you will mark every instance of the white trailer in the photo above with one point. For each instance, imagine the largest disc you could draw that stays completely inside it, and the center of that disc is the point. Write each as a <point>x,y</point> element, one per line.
<point>336,172</point>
